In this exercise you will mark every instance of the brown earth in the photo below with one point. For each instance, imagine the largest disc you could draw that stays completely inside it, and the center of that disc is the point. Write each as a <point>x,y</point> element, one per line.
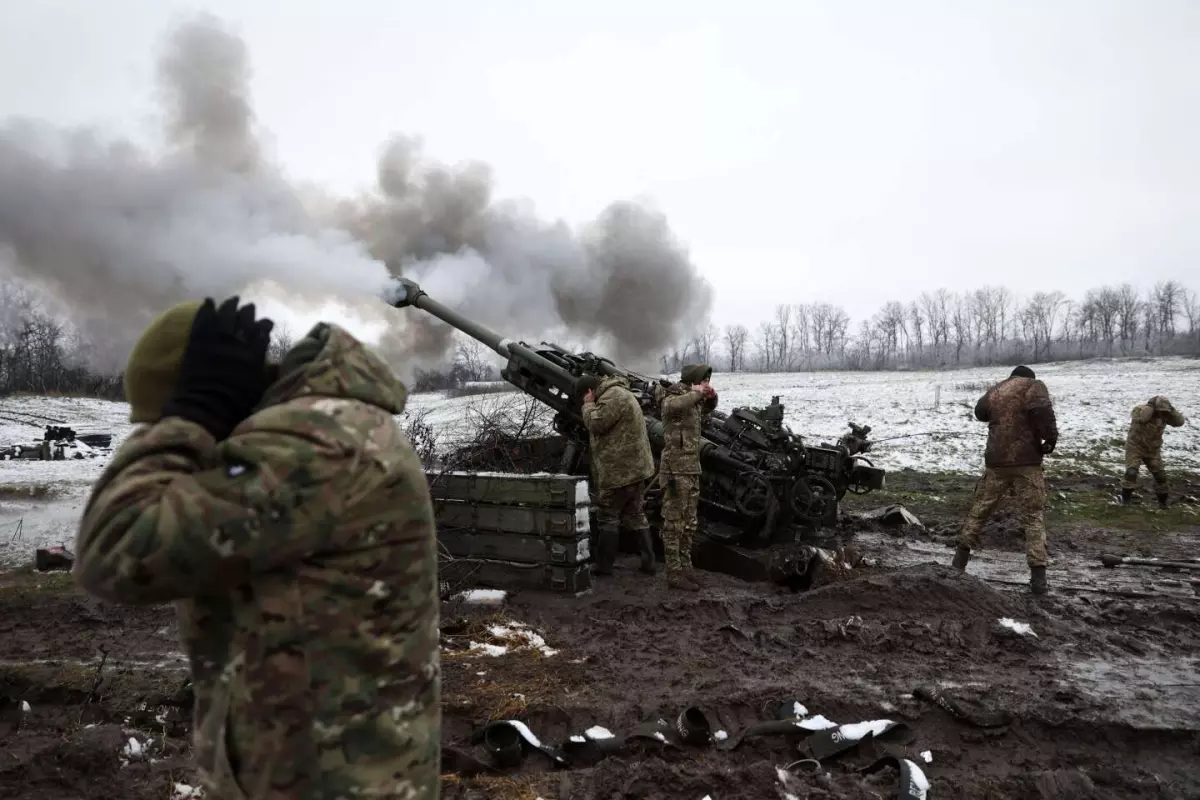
<point>1102,703</point>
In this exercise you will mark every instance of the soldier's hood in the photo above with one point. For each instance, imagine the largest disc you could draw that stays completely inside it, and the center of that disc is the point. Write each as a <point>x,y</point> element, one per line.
<point>609,382</point>
<point>330,362</point>
<point>695,373</point>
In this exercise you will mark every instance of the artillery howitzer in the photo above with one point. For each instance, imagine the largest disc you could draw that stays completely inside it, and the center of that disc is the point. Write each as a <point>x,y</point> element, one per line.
<point>759,483</point>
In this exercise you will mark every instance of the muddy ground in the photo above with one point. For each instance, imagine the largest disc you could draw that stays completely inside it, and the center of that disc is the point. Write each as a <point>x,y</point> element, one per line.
<point>1102,702</point>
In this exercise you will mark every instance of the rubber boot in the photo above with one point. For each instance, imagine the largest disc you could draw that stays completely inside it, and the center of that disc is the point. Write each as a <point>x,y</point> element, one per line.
<point>961,556</point>
<point>646,548</point>
<point>606,550</point>
<point>1162,499</point>
<point>1126,496</point>
<point>1037,580</point>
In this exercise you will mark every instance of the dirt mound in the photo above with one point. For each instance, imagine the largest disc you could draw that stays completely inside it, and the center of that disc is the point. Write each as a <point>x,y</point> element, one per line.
<point>925,591</point>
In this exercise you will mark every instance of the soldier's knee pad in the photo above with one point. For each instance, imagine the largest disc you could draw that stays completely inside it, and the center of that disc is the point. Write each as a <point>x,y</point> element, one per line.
<point>1131,473</point>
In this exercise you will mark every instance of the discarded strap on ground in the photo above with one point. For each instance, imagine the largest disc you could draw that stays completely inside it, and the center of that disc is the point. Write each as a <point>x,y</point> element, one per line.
<point>506,741</point>
<point>913,783</point>
<point>959,710</point>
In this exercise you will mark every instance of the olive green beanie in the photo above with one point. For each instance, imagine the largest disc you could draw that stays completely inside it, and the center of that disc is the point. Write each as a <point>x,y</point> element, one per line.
<point>153,368</point>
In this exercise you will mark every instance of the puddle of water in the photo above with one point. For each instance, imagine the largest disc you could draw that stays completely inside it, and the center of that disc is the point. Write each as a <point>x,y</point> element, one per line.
<point>1147,693</point>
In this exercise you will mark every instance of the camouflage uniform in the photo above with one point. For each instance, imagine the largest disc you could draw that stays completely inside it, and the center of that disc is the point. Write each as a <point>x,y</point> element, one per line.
<point>1143,444</point>
<point>682,407</point>
<point>1021,429</point>
<point>623,463</point>
<point>301,557</point>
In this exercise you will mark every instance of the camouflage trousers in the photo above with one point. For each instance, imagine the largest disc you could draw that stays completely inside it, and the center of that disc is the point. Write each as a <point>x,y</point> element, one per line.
<point>681,494</point>
<point>1028,487</point>
<point>622,507</point>
<point>1154,464</point>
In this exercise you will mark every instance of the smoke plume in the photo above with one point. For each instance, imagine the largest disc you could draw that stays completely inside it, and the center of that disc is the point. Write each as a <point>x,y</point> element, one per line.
<point>118,233</point>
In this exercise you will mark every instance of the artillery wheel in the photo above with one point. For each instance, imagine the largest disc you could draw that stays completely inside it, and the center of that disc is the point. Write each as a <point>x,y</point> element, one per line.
<point>813,498</point>
<point>753,496</point>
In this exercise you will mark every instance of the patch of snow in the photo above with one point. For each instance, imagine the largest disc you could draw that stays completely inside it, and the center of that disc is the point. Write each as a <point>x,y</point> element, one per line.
<point>183,791</point>
<point>521,636</point>
<point>720,736</point>
<point>927,756</point>
<point>578,739</point>
<point>482,597</point>
<point>1023,628</point>
<point>25,707</point>
<point>658,735</point>
<point>857,730</point>
<point>598,732</point>
<point>798,710</point>
<point>488,649</point>
<point>816,723</point>
<point>133,748</point>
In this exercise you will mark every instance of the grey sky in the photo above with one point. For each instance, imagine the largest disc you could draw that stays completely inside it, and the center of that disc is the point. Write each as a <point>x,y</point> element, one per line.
<point>851,152</point>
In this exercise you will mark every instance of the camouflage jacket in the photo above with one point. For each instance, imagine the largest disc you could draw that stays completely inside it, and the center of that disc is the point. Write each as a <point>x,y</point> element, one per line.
<point>1146,427</point>
<point>682,408</point>
<point>1020,416</point>
<point>617,432</point>
<point>300,552</point>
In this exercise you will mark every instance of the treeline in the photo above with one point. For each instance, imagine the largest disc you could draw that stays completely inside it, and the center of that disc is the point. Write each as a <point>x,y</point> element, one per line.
<point>943,329</point>
<point>41,354</point>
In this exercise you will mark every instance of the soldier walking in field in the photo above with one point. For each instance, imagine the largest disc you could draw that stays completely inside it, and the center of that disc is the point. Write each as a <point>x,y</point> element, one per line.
<point>682,406</point>
<point>288,517</point>
<point>1143,445</point>
<point>623,464</point>
<point>1022,430</point>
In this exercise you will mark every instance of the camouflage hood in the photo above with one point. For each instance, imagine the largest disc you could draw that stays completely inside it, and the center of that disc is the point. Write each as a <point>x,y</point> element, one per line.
<point>695,373</point>
<point>610,382</point>
<point>330,362</point>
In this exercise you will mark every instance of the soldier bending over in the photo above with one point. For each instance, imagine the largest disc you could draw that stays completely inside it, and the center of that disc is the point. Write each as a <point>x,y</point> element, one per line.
<point>288,517</point>
<point>1022,429</point>
<point>1143,445</point>
<point>683,405</point>
<point>623,464</point>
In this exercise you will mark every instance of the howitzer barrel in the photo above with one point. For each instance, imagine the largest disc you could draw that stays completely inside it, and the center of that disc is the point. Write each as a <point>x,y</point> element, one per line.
<point>405,293</point>
<point>527,369</point>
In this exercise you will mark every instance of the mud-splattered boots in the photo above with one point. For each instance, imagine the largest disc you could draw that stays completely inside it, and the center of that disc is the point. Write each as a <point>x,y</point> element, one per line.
<point>1037,580</point>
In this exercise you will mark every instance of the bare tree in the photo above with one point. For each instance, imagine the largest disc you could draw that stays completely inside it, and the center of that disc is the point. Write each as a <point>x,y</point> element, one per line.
<point>735,343</point>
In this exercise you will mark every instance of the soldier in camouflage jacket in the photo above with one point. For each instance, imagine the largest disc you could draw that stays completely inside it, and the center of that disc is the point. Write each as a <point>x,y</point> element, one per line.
<point>682,405</point>
<point>1143,445</point>
<point>622,462</point>
<point>1022,429</point>
<point>293,529</point>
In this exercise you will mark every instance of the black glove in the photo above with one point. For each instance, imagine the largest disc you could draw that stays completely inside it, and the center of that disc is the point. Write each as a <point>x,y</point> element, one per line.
<point>223,373</point>
<point>1048,446</point>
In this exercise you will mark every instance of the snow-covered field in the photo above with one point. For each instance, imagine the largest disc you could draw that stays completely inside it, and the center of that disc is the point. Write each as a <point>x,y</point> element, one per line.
<point>1093,400</point>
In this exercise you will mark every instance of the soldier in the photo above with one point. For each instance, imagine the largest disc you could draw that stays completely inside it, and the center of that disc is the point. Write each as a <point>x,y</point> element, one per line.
<point>1022,430</point>
<point>288,517</point>
<point>1143,445</point>
<point>683,405</point>
<point>623,462</point>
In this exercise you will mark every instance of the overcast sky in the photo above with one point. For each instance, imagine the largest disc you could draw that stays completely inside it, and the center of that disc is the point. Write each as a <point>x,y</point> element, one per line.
<point>851,152</point>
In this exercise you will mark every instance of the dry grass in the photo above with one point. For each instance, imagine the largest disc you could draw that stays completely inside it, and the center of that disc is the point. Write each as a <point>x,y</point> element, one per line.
<point>492,788</point>
<point>512,683</point>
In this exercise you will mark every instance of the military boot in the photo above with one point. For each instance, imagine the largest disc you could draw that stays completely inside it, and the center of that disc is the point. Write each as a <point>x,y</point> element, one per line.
<point>1037,580</point>
<point>645,544</point>
<point>1126,496</point>
<point>961,556</point>
<point>677,579</point>
<point>1162,499</point>
<point>606,549</point>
